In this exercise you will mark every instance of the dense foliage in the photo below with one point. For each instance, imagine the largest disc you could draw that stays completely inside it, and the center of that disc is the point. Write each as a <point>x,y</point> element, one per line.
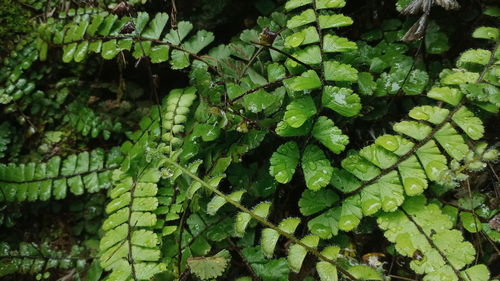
<point>313,140</point>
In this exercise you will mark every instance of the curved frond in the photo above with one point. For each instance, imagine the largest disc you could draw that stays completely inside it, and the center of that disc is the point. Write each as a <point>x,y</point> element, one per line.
<point>77,173</point>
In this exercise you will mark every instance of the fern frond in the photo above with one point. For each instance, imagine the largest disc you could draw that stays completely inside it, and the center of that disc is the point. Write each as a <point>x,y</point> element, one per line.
<point>107,34</point>
<point>30,258</point>
<point>129,247</point>
<point>424,233</point>
<point>14,81</point>
<point>175,116</point>
<point>78,173</point>
<point>84,120</point>
<point>312,42</point>
<point>381,175</point>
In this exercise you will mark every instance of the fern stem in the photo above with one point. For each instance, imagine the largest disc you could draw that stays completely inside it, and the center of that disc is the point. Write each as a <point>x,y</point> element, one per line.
<point>260,219</point>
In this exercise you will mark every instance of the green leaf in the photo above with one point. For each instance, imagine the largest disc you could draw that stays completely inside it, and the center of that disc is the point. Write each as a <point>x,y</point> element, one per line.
<point>284,161</point>
<point>217,202</point>
<point>275,71</point>
<point>207,131</point>
<point>306,17</point>
<point>457,78</point>
<point>306,36</point>
<point>333,21</point>
<point>242,219</point>
<point>289,225</point>
<point>413,176</point>
<point>350,214</point>
<point>109,49</point>
<point>436,42</point>
<point>336,71</point>
<point>478,56</point>
<point>470,222</point>
<point>325,225</point>
<point>299,111</point>
<point>492,11</point>
<point>434,163</point>
<point>308,80</point>
<point>259,101</point>
<point>484,32</point>
<point>341,100</point>
<point>449,95</point>
<point>482,92</point>
<point>365,272</point>
<point>140,22</point>
<point>378,156</point>
<point>159,53</point>
<point>360,167</point>
<point>175,36</point>
<point>470,124</point>
<point>433,114</point>
<point>330,4</point>
<point>95,22</point>
<point>366,83</point>
<point>477,272</point>
<point>317,168</point>
<point>416,130</point>
<point>297,253</point>
<point>344,181</point>
<point>155,26</point>
<point>293,4</point>
<point>199,41</point>
<point>329,135</point>
<point>327,271</point>
<point>207,268</point>
<point>309,55</point>
<point>452,142</point>
<point>334,43</point>
<point>268,241</point>
<point>312,202</point>
<point>69,52</point>
<point>386,194</point>
<point>285,130</point>
<point>416,82</point>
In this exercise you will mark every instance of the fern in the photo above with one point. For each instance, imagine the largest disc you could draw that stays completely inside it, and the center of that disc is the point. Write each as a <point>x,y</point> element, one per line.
<point>423,233</point>
<point>84,120</point>
<point>278,119</point>
<point>78,173</point>
<point>129,245</point>
<point>329,260</point>
<point>107,34</point>
<point>34,259</point>
<point>311,43</point>
<point>15,82</point>
<point>381,175</point>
